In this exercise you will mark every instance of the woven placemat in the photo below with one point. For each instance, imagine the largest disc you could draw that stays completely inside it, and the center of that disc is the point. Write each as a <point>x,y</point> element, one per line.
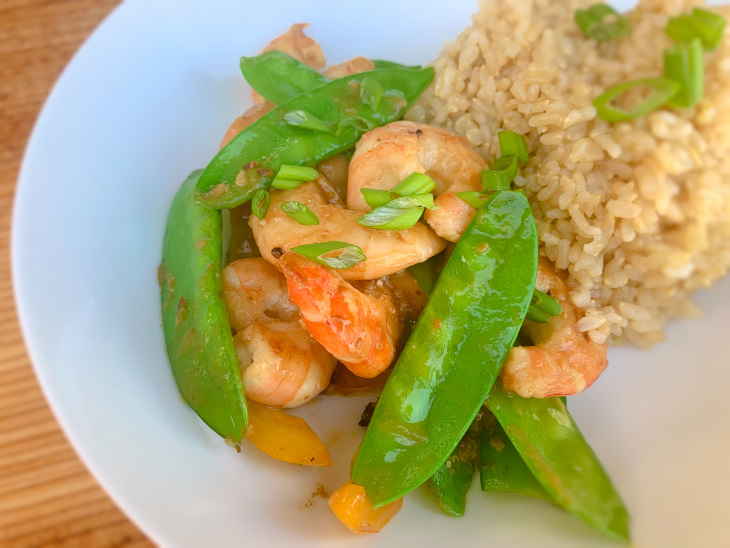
<point>47,497</point>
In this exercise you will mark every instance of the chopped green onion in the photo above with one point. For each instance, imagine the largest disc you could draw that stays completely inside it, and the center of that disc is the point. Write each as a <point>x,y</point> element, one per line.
<point>542,307</point>
<point>601,22</point>
<point>415,183</point>
<point>391,218</point>
<point>707,26</point>
<point>545,303</point>
<point>303,119</point>
<point>290,177</point>
<point>683,63</point>
<point>298,173</point>
<point>285,184</point>
<point>260,203</point>
<point>473,198</point>
<point>375,197</point>
<point>349,255</point>
<point>662,89</point>
<point>371,92</point>
<point>501,175</point>
<point>300,213</point>
<point>514,144</point>
<point>415,200</point>
<point>378,198</point>
<point>537,316</point>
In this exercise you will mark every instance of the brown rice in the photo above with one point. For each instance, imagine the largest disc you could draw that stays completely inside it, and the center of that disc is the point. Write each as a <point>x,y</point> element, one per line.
<point>637,213</point>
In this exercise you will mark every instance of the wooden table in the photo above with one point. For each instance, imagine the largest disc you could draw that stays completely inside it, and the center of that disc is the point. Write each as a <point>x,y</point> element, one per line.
<point>47,496</point>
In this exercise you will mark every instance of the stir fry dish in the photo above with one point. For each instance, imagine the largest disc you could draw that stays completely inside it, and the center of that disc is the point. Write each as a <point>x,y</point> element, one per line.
<point>332,246</point>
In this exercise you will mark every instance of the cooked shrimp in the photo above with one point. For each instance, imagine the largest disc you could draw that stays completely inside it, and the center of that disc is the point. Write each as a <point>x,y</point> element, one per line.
<point>387,251</point>
<point>245,120</point>
<point>300,46</point>
<point>349,67</point>
<point>403,288</point>
<point>563,361</point>
<point>358,329</point>
<point>389,154</point>
<point>256,292</point>
<point>281,364</point>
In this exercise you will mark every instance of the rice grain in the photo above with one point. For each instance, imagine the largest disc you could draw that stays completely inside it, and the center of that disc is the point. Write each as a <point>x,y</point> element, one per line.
<point>636,213</point>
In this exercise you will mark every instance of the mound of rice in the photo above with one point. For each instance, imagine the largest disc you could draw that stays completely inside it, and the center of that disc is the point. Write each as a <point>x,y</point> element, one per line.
<point>637,213</point>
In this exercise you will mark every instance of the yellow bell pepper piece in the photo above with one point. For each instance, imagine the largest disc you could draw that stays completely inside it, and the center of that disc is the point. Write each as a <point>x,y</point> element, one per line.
<point>353,508</point>
<point>285,437</point>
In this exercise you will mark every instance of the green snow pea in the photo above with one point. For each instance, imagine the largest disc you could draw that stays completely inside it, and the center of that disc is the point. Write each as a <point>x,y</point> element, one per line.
<point>552,447</point>
<point>383,64</point>
<point>305,130</point>
<point>279,77</point>
<point>501,468</point>
<point>455,352</point>
<point>453,479</point>
<point>195,318</point>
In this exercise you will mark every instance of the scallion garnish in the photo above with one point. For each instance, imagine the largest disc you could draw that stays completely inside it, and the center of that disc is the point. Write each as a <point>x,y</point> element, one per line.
<point>298,173</point>
<point>683,63</point>
<point>376,197</point>
<point>501,175</point>
<point>536,316</point>
<point>290,177</point>
<point>601,22</point>
<point>391,218</point>
<point>546,303</point>
<point>662,89</point>
<point>415,183</point>
<point>473,198</point>
<point>260,203</point>
<point>542,307</point>
<point>514,144</point>
<point>371,92</point>
<point>285,184</point>
<point>333,254</point>
<point>707,26</point>
<point>303,119</point>
<point>414,200</point>
<point>300,213</point>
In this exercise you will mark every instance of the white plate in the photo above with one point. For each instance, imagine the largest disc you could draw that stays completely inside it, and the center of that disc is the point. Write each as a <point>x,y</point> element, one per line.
<point>143,103</point>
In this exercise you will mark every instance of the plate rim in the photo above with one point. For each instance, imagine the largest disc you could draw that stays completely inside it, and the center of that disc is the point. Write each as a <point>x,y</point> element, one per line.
<point>69,430</point>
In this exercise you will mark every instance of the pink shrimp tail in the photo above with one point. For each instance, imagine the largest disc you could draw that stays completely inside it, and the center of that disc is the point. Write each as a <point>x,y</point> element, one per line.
<point>354,327</point>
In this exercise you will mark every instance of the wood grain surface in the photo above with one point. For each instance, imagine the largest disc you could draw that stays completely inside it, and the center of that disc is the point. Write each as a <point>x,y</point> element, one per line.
<point>47,497</point>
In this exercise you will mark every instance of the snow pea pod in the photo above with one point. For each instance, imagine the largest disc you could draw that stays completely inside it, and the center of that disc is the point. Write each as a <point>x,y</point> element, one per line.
<point>195,318</point>
<point>383,64</point>
<point>285,136</point>
<point>501,468</point>
<point>451,482</point>
<point>455,352</point>
<point>552,447</point>
<point>279,77</point>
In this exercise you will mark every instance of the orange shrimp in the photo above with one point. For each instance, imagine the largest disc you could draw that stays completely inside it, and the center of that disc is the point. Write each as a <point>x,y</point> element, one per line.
<point>388,154</point>
<point>563,361</point>
<point>351,66</point>
<point>281,364</point>
<point>358,329</point>
<point>245,120</point>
